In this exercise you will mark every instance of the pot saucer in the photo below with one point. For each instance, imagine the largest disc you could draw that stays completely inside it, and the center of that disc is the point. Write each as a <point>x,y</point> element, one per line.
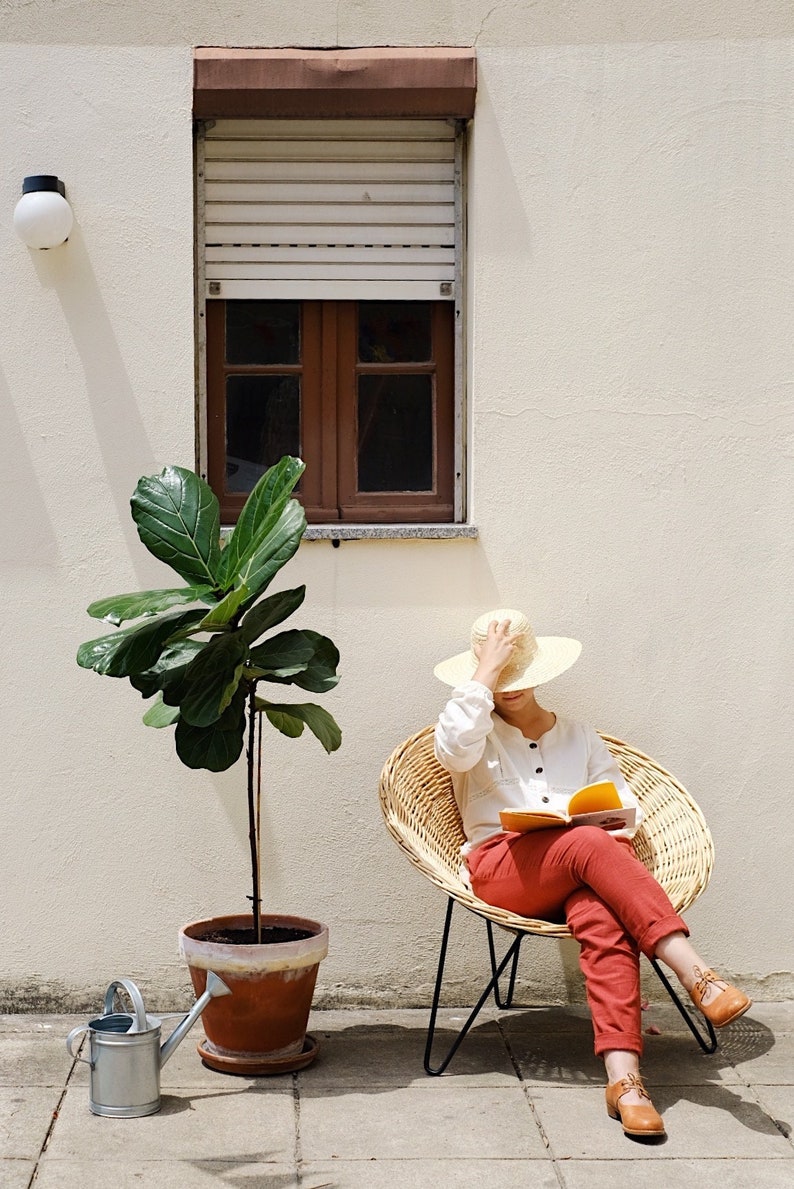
<point>260,1066</point>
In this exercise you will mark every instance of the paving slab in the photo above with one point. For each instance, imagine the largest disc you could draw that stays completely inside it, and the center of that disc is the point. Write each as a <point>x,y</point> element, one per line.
<point>377,1056</point>
<point>245,1124</point>
<point>701,1121</point>
<point>26,1114</point>
<point>778,1101</point>
<point>675,1174</point>
<point>419,1122</point>
<point>162,1174</point>
<point>34,1059</point>
<point>428,1174</point>
<point>770,1065</point>
<point>16,1174</point>
<point>538,1020</point>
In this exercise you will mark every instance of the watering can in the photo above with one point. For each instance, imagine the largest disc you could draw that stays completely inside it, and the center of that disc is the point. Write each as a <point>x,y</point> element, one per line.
<point>125,1051</point>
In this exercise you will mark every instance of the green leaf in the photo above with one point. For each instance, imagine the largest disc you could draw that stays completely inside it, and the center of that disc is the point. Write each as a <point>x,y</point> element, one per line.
<point>217,746</point>
<point>167,673</point>
<point>133,650</point>
<point>289,724</point>
<point>220,615</point>
<point>261,512</point>
<point>272,610</point>
<point>159,715</point>
<point>117,608</point>
<point>263,562</point>
<point>178,521</point>
<point>319,721</point>
<point>212,679</point>
<point>301,657</point>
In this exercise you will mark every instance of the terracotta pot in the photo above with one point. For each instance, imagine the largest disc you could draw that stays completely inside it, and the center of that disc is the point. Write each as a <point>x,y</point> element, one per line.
<point>261,1027</point>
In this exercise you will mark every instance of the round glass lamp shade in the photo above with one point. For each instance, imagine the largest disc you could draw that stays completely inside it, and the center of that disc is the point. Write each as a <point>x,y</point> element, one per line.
<point>43,217</point>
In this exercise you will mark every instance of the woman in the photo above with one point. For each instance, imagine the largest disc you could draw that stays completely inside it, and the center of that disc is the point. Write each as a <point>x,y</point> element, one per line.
<point>506,751</point>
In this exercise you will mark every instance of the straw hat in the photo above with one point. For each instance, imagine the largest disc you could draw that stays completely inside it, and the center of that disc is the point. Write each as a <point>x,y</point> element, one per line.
<point>536,658</point>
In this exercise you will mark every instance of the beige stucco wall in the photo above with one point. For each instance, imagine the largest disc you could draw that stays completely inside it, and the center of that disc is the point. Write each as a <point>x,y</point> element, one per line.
<point>630,366</point>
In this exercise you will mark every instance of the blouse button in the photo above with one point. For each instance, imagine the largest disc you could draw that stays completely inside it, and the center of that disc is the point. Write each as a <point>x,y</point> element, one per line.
<point>545,800</point>
<point>538,770</point>
<point>533,745</point>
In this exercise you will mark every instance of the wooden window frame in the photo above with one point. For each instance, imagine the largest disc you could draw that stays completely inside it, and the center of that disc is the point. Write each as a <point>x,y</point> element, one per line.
<point>328,423</point>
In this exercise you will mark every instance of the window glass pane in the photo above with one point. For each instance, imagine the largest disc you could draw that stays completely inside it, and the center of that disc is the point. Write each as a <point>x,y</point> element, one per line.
<point>395,433</point>
<point>262,332</point>
<point>394,332</point>
<point>262,424</point>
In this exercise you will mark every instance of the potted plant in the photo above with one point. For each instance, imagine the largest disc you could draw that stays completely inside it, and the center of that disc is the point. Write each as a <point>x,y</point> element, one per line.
<point>198,651</point>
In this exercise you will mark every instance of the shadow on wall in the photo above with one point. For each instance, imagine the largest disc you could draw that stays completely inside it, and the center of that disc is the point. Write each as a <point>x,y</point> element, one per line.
<point>25,525</point>
<point>120,433</point>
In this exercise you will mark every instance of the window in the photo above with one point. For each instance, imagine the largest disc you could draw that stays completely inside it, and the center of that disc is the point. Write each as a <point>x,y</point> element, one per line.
<point>362,391</point>
<point>329,263</point>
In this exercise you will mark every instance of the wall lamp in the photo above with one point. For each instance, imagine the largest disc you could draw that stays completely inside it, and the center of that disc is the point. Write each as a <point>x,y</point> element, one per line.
<point>43,217</point>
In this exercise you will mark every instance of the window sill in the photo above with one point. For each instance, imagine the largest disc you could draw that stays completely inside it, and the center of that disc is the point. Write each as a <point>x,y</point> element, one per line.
<point>388,532</point>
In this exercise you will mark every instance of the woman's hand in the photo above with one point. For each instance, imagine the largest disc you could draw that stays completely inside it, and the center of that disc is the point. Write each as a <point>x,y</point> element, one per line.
<point>494,653</point>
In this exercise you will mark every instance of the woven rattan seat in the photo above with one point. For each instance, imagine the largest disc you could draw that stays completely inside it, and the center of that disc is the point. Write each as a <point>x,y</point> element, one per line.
<point>422,816</point>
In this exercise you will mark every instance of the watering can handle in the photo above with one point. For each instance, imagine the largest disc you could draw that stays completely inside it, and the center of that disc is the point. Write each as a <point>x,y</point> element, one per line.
<point>125,984</point>
<point>71,1038</point>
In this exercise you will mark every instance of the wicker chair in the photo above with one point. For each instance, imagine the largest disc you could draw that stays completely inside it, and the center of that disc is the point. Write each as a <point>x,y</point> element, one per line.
<point>422,816</point>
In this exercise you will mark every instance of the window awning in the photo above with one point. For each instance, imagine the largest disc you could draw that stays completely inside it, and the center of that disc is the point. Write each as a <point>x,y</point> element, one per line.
<point>371,82</point>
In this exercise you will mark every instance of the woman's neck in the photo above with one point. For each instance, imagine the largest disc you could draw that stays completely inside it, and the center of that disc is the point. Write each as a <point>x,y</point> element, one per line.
<point>531,719</point>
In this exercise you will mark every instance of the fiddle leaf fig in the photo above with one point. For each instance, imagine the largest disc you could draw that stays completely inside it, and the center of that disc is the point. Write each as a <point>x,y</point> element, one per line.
<point>178,520</point>
<point>160,715</point>
<point>261,512</point>
<point>270,552</point>
<point>133,650</point>
<point>225,610</point>
<point>202,665</point>
<point>117,608</point>
<point>289,720</point>
<point>167,674</point>
<point>217,746</point>
<point>270,611</point>
<point>298,657</point>
<point>211,680</point>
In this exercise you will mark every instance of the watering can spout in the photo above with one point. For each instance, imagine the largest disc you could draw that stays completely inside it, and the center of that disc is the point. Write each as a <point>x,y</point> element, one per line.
<point>215,986</point>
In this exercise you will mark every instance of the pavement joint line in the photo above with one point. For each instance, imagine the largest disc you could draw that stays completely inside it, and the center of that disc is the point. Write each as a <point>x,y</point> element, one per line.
<point>525,1090</point>
<point>55,1116</point>
<point>297,1151</point>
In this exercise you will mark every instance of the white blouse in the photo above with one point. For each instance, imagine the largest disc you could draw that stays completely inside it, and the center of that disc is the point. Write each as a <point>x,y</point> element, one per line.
<point>495,767</point>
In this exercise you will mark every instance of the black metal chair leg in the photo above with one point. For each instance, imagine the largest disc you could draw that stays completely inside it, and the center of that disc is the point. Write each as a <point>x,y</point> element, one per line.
<point>512,984</point>
<point>708,1046</point>
<point>436,1070</point>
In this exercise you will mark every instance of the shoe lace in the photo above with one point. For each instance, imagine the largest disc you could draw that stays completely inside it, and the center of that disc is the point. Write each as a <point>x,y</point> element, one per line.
<point>704,979</point>
<point>633,1081</point>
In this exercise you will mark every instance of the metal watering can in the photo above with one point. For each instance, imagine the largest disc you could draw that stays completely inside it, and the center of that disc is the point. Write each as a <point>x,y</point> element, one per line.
<point>125,1051</point>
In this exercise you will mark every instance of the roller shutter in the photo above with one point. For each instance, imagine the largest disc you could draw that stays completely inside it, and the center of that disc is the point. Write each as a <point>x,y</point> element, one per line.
<point>328,209</point>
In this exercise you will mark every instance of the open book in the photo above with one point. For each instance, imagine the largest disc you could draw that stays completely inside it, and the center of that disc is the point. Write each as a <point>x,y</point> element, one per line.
<point>594,805</point>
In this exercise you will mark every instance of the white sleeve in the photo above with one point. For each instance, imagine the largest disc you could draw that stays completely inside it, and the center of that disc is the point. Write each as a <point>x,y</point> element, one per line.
<point>602,765</point>
<point>464,726</point>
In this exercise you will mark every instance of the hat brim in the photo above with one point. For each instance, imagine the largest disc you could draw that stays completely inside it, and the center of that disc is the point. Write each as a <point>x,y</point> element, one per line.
<point>555,654</point>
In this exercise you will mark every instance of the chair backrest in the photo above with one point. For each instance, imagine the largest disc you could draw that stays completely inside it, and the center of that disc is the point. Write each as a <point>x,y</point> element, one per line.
<point>422,816</point>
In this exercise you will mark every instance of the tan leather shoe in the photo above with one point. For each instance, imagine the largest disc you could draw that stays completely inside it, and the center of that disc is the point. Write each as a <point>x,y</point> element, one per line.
<point>637,1120</point>
<point>725,1006</point>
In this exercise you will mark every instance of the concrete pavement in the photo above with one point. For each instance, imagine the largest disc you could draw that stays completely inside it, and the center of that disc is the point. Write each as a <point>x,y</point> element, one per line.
<point>522,1105</point>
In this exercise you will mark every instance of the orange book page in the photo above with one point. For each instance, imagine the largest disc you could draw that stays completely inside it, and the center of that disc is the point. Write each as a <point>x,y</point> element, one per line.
<point>519,821</point>
<point>593,797</point>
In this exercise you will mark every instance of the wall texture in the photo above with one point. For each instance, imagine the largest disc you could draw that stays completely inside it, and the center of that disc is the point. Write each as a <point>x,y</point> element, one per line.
<point>629,380</point>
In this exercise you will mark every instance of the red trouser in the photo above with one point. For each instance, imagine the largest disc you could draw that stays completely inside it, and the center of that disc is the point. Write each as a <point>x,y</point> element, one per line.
<point>610,901</point>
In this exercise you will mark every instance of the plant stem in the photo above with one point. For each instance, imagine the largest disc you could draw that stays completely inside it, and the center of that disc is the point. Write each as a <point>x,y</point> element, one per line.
<point>252,831</point>
<point>259,804</point>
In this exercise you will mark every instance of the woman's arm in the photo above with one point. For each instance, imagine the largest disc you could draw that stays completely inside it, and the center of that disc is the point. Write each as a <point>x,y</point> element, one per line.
<point>465,722</point>
<point>464,726</point>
